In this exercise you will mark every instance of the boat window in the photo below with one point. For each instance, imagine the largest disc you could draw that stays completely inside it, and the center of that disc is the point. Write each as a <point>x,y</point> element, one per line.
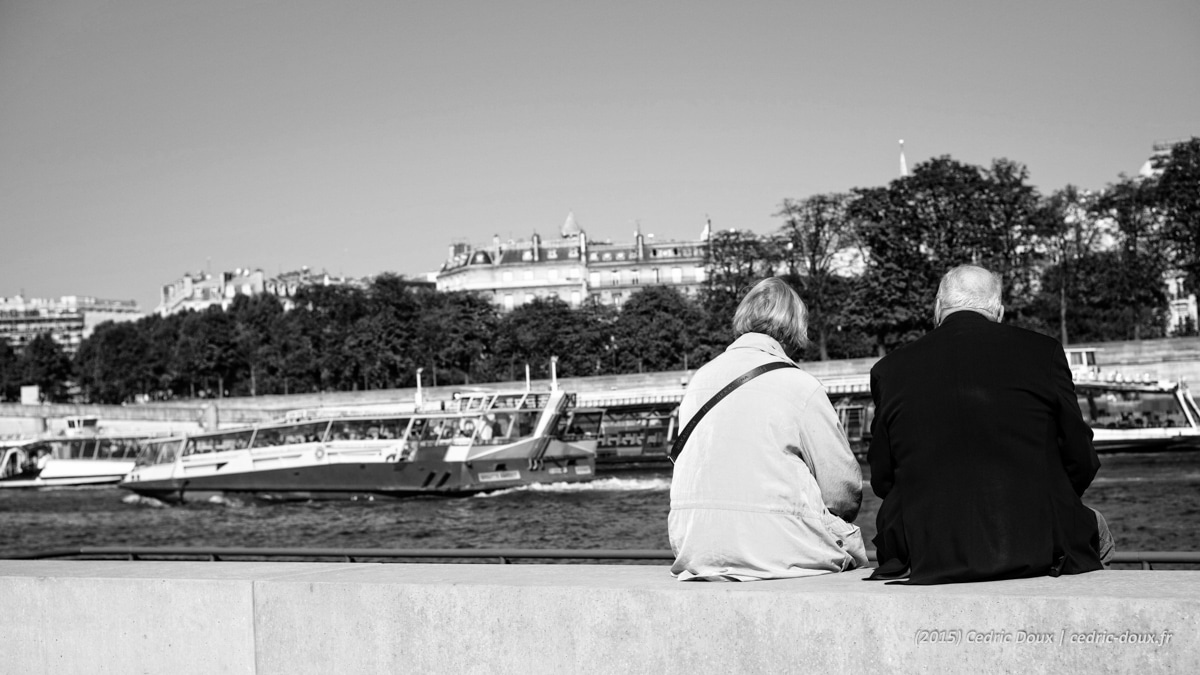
<point>497,427</point>
<point>1116,409</point>
<point>232,440</point>
<point>579,425</point>
<point>158,451</point>
<point>371,429</point>
<point>309,432</point>
<point>428,432</point>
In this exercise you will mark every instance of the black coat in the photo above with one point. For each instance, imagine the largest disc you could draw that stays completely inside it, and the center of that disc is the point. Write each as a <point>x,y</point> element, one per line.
<point>980,455</point>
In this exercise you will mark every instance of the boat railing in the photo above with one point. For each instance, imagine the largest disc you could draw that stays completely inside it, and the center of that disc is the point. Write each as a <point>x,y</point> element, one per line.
<point>1146,559</point>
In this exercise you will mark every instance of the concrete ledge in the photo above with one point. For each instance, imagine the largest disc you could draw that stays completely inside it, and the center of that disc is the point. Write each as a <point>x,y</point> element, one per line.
<point>261,617</point>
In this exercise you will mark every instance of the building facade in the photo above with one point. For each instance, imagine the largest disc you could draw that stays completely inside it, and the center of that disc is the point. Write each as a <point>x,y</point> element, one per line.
<point>202,290</point>
<point>573,268</point>
<point>69,320</point>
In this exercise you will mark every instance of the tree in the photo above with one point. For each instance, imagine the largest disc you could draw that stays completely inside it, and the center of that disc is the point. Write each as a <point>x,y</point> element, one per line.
<point>734,260</point>
<point>655,331</point>
<point>818,245</point>
<point>112,365</point>
<point>1178,195</point>
<point>10,373</point>
<point>946,213</point>
<point>45,364</point>
<point>531,334</point>
<point>1069,232</point>
<point>1141,255</point>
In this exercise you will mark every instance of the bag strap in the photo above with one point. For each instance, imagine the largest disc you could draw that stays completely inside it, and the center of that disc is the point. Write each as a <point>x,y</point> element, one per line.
<point>681,440</point>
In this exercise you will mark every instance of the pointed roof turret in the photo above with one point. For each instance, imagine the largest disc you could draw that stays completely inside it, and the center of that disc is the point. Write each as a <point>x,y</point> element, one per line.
<point>571,228</point>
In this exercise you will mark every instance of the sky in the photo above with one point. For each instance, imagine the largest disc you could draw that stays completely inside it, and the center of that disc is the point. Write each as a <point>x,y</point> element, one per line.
<point>141,140</point>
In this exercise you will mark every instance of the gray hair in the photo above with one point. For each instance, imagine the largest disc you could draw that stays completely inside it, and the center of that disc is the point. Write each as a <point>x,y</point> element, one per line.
<point>972,288</point>
<point>773,308</point>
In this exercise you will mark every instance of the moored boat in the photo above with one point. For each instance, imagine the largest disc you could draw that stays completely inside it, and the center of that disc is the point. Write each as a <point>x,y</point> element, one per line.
<point>477,442</point>
<point>81,455</point>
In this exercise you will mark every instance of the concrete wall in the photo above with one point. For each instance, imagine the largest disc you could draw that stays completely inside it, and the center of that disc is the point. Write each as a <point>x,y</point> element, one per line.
<point>198,617</point>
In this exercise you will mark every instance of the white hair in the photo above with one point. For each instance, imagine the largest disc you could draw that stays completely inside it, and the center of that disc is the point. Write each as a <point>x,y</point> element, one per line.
<point>972,288</point>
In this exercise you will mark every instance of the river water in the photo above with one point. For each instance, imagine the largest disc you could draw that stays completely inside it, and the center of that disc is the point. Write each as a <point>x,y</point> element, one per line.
<point>1151,501</point>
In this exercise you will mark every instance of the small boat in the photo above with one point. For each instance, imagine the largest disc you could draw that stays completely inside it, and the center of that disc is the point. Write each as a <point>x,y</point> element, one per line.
<point>82,455</point>
<point>477,442</point>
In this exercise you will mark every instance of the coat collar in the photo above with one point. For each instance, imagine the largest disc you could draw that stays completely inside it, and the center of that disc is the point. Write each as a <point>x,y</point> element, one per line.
<point>761,342</point>
<point>964,317</point>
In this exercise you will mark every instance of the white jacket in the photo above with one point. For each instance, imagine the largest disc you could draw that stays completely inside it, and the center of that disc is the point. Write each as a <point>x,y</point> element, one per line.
<point>758,490</point>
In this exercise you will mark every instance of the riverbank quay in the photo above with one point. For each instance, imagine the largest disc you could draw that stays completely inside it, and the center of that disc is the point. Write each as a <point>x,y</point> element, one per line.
<point>261,617</point>
<point>1175,359</point>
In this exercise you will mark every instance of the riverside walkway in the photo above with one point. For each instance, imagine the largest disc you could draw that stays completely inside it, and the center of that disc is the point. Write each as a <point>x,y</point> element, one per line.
<point>276,617</point>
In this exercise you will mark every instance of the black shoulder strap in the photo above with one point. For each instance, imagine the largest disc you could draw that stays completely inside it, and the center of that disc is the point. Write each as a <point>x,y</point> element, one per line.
<point>681,439</point>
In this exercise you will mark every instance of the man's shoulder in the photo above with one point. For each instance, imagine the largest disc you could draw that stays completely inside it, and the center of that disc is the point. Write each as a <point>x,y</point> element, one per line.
<point>1029,337</point>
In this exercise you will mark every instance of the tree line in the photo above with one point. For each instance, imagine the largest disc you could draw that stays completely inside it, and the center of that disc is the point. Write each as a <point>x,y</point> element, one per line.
<point>1081,266</point>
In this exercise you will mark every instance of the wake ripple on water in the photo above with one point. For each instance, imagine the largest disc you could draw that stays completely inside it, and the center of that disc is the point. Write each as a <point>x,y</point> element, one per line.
<point>643,484</point>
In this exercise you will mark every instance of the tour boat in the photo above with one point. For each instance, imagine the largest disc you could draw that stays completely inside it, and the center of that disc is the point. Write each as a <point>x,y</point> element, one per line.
<point>477,442</point>
<point>80,455</point>
<point>1125,414</point>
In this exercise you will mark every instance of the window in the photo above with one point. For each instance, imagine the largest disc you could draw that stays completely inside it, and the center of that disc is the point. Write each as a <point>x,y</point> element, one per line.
<point>657,278</point>
<point>616,277</point>
<point>508,302</point>
<point>507,276</point>
<point>677,275</point>
<point>528,275</point>
<point>575,298</point>
<point>634,277</point>
<point>594,278</point>
<point>699,274</point>
<point>553,274</point>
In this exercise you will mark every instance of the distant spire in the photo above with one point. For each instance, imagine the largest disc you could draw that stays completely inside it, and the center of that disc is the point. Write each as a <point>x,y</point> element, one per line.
<point>571,228</point>
<point>903,164</point>
<point>637,228</point>
<point>707,233</point>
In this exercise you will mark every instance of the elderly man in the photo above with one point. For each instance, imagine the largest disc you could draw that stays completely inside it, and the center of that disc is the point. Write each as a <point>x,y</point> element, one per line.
<point>978,449</point>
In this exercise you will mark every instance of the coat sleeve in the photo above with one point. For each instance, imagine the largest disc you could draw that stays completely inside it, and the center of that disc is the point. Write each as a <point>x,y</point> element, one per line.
<point>879,454</point>
<point>1074,435</point>
<point>830,459</point>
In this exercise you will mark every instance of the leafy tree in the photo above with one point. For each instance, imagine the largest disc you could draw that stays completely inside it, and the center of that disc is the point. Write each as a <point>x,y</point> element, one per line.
<point>655,331</point>
<point>10,373</point>
<point>946,213</point>
<point>112,365</point>
<point>45,364</point>
<point>531,334</point>
<point>1178,195</point>
<point>207,351</point>
<point>818,244</point>
<point>734,260</point>
<point>1069,232</point>
<point>1132,204</point>
<point>256,322</point>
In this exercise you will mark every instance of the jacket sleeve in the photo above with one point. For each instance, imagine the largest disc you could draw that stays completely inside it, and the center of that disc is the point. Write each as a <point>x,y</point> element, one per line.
<point>1074,435</point>
<point>879,454</point>
<point>829,457</point>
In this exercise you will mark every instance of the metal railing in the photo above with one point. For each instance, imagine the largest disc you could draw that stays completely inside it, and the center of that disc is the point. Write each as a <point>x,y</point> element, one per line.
<point>500,555</point>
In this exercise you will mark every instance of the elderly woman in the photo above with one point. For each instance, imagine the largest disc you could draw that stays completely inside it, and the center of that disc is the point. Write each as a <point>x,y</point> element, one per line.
<point>766,486</point>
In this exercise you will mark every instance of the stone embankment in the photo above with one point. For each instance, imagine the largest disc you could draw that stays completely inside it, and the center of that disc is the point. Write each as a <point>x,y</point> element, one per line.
<point>1167,359</point>
<point>269,617</point>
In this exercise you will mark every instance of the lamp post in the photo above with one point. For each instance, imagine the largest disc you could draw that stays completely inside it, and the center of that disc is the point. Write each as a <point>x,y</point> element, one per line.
<point>419,399</point>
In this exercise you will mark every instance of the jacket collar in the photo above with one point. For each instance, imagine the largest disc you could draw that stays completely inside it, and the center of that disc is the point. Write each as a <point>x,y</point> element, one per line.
<point>964,316</point>
<point>761,342</point>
